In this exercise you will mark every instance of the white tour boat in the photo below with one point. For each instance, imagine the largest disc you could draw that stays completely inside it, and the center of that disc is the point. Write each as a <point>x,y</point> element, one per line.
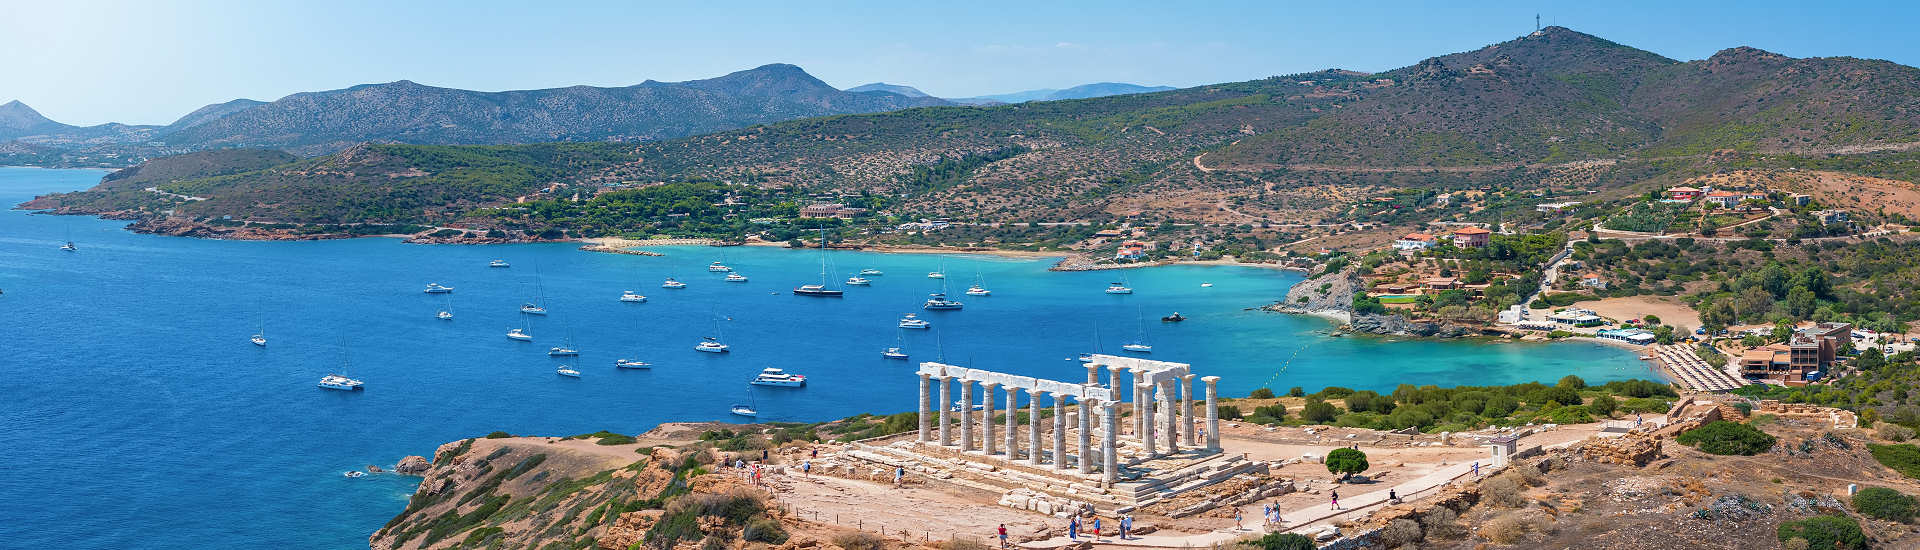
<point>775,377</point>
<point>497,263</point>
<point>871,272</point>
<point>910,321</point>
<point>437,288</point>
<point>736,278</point>
<point>339,382</point>
<point>672,284</point>
<point>710,345</point>
<point>718,267</point>
<point>631,364</point>
<point>859,281</point>
<point>631,296</point>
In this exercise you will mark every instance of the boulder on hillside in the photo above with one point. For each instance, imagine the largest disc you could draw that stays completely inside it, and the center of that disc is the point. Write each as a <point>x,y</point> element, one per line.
<point>413,465</point>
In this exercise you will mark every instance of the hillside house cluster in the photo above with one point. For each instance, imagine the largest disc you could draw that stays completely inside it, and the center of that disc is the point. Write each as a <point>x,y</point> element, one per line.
<point>1415,242</point>
<point>830,210</point>
<point>1806,357</point>
<point>1131,250</point>
<point>1724,198</point>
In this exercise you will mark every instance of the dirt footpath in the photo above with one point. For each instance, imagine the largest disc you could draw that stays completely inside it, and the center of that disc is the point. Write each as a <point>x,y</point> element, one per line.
<point>936,512</point>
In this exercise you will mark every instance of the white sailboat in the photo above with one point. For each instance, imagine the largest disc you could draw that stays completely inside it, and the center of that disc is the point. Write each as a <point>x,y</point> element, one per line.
<point>567,371</point>
<point>1139,345</point>
<point>537,306</point>
<point>820,290</point>
<point>340,381</point>
<point>711,344</point>
<point>898,351</point>
<point>979,287</point>
<point>446,310</point>
<point>260,335</point>
<point>749,409</point>
<point>565,349</point>
<point>521,333</point>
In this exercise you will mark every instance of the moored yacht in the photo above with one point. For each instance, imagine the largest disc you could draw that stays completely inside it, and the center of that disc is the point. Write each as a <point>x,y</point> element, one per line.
<point>894,353</point>
<point>562,351</point>
<point>775,377</point>
<point>567,372</point>
<point>259,340</point>
<point>1117,288</point>
<point>437,288</point>
<point>910,321</point>
<point>497,263</point>
<point>871,272</point>
<point>632,364</point>
<point>521,335</point>
<point>859,281</point>
<point>631,296</point>
<point>977,290</point>
<point>1086,358</point>
<point>672,284</point>
<point>743,409</point>
<point>817,290</point>
<point>1138,347</point>
<point>532,309</point>
<point>444,315</point>
<point>736,278</point>
<point>718,267</point>
<point>710,345</point>
<point>338,382</point>
<point>936,275</point>
<point>938,301</point>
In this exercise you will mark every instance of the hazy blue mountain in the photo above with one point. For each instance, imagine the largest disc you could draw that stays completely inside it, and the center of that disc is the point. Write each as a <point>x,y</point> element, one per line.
<point>908,91</point>
<point>1083,91</point>
<point>214,111</point>
<point>17,119</point>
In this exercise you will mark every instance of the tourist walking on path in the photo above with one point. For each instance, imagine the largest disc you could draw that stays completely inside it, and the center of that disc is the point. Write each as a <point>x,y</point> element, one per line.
<point>1003,536</point>
<point>806,468</point>
<point>1126,527</point>
<point>1476,469</point>
<point>897,474</point>
<point>1073,528</point>
<point>1336,499</point>
<point>1096,527</point>
<point>1236,519</point>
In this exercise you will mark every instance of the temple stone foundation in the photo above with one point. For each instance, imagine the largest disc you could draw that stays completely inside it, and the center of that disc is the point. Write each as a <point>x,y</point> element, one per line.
<point>1075,446</point>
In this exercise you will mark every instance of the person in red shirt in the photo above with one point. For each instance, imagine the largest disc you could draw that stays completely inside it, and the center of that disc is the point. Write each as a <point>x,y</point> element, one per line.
<point>1003,536</point>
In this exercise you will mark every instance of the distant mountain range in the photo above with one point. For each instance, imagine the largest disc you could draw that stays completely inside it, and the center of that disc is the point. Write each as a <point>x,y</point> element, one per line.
<point>312,123</point>
<point>1083,91</point>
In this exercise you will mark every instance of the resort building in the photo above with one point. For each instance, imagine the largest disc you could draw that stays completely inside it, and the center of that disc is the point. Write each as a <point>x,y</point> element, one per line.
<point>1725,199</point>
<point>1415,241</point>
<point>1629,335</point>
<point>1131,250</point>
<point>830,210</point>
<point>1577,317</point>
<point>1683,194</point>
<point>1806,357</point>
<point>1471,237</point>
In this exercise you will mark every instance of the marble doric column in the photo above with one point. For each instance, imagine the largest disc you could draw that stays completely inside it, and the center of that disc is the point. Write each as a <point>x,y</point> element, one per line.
<point>1059,431</point>
<point>1186,408</point>
<point>1144,409</point>
<point>1034,454</point>
<point>926,410</point>
<point>986,418</point>
<point>1086,436</point>
<point>1116,388</point>
<point>1013,422</point>
<point>1213,414</point>
<point>1093,374</point>
<point>1170,415</point>
<point>946,404</point>
<point>1110,443</point>
<point>1140,409</point>
<point>966,414</point>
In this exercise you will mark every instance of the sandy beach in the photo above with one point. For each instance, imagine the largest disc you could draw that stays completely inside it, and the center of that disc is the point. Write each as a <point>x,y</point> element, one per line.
<point>1667,308</point>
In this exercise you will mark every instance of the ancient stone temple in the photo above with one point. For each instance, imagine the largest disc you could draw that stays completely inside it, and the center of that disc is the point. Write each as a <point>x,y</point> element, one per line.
<point>1126,434</point>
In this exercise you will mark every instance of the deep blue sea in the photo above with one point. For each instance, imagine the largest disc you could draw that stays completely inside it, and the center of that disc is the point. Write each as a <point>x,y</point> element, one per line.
<point>135,413</point>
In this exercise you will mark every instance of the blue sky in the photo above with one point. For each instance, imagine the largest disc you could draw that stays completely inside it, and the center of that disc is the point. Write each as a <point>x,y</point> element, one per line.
<point>86,62</point>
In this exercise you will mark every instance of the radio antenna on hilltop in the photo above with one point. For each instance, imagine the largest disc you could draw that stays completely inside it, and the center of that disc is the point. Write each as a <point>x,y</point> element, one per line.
<point>1536,22</point>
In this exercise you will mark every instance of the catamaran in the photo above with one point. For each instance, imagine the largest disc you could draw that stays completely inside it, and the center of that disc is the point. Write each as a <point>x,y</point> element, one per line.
<point>437,288</point>
<point>531,308</point>
<point>339,381</point>
<point>910,321</point>
<point>775,377</point>
<point>567,372</point>
<point>939,301</point>
<point>633,297</point>
<point>672,284</point>
<point>497,263</point>
<point>1117,288</point>
<point>710,344</point>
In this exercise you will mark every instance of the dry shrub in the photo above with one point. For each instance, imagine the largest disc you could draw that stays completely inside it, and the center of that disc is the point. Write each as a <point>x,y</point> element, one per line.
<point>1796,543</point>
<point>1503,490</point>
<point>1442,523</point>
<point>1400,532</point>
<point>1508,528</point>
<point>1894,432</point>
<point>856,540</point>
<point>963,544</point>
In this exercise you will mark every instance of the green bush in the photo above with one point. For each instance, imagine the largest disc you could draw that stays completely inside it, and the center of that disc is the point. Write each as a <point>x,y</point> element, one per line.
<point>1884,503</point>
<point>1838,532</point>
<point>764,530</point>
<point>1262,393</point>
<point>1727,438</point>
<point>1318,411</point>
<point>1346,461</point>
<point>1604,405</point>
<point>1282,541</point>
<point>1229,412</point>
<point>1901,457</point>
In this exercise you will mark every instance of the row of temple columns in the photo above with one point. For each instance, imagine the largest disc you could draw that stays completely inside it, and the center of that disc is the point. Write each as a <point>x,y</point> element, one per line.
<point>1163,418</point>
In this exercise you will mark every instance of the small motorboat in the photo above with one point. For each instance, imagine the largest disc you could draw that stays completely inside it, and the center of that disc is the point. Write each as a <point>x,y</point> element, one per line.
<point>939,301</point>
<point>871,272</point>
<point>1206,285</point>
<point>742,409</point>
<point>672,284</point>
<point>936,275</point>
<point>1137,347</point>
<point>259,340</point>
<point>736,278</point>
<point>338,382</point>
<point>1175,318</point>
<point>531,309</point>
<point>775,377</point>
<point>562,351</point>
<point>567,372</point>
<point>68,247</point>
<point>977,290</point>
<point>631,364</point>
<point>894,353</point>
<point>353,474</point>
<point>718,267</point>
<point>444,315</point>
<point>710,345</point>
<point>859,281</point>
<point>497,263</point>
<point>632,297</point>
<point>818,291</point>
<point>1117,288</point>
<point>910,321</point>
<point>521,335</point>
<point>1085,358</point>
<point>437,288</point>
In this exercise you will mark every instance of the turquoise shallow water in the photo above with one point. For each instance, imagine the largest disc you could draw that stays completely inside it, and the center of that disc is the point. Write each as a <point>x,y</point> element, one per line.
<point>138,416</point>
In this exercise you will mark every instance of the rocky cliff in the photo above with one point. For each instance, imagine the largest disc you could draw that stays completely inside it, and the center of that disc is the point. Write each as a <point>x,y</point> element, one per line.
<point>1397,325</point>
<point>1328,295</point>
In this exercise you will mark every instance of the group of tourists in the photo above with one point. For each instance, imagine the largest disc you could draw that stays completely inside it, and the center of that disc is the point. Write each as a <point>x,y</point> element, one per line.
<point>1091,524</point>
